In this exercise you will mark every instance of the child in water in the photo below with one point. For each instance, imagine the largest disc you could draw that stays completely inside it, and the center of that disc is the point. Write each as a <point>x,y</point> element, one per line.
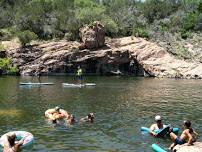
<point>188,136</point>
<point>10,145</point>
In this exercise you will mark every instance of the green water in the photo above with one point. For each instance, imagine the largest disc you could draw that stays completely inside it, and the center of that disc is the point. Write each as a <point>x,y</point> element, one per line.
<point>121,106</point>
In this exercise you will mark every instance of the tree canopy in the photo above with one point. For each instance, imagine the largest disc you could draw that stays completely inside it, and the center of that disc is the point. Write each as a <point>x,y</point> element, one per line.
<point>49,19</point>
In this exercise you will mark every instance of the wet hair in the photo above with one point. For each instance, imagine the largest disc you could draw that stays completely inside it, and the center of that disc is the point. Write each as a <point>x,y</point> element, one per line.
<point>72,116</point>
<point>187,124</point>
<point>11,139</point>
<point>91,115</point>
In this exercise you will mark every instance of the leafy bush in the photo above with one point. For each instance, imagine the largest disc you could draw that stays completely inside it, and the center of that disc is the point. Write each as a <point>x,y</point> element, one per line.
<point>7,67</point>
<point>5,34</point>
<point>13,70</point>
<point>200,7</point>
<point>189,21</point>
<point>2,47</point>
<point>111,27</point>
<point>26,37</point>
<point>68,36</point>
<point>5,63</point>
<point>141,32</point>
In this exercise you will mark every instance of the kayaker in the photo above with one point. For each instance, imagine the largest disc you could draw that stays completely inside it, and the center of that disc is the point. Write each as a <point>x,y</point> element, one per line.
<point>79,74</point>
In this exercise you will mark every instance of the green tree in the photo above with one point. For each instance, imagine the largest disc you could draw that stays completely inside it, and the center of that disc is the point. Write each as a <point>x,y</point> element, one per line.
<point>25,37</point>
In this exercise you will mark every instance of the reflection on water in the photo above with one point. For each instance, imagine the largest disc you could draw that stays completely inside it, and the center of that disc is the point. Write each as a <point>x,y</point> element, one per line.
<point>121,106</point>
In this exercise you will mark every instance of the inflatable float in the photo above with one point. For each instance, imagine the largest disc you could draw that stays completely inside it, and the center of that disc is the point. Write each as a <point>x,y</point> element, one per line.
<point>28,138</point>
<point>78,85</point>
<point>156,148</point>
<point>30,83</point>
<point>160,132</point>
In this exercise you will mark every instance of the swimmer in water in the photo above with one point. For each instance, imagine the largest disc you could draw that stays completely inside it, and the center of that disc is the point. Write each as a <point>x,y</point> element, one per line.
<point>56,113</point>
<point>158,125</point>
<point>88,118</point>
<point>70,120</point>
<point>10,144</point>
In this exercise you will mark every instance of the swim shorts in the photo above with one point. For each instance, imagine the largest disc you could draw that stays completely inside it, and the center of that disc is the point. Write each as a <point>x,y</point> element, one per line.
<point>179,141</point>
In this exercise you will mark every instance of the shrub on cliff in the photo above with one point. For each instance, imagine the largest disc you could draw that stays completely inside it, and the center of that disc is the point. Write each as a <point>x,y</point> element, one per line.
<point>7,67</point>
<point>26,37</point>
<point>111,28</point>
<point>141,32</point>
<point>2,47</point>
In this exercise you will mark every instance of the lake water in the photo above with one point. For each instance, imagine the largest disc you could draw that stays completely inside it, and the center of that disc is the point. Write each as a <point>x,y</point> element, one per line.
<point>121,106</point>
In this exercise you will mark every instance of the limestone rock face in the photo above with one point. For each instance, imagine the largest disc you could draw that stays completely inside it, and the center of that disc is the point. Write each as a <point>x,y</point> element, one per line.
<point>197,147</point>
<point>93,36</point>
<point>119,56</point>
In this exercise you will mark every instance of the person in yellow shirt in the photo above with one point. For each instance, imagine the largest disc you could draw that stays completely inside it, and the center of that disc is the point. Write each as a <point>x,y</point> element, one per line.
<point>79,74</point>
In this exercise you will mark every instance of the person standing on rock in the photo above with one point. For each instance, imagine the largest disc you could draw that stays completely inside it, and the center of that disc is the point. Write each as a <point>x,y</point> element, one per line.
<point>79,74</point>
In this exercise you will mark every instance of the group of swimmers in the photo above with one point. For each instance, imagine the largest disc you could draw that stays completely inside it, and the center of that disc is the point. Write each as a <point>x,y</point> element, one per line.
<point>188,135</point>
<point>55,115</point>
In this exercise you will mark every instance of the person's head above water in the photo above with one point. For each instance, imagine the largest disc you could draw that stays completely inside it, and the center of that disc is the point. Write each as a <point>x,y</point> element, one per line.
<point>72,117</point>
<point>11,139</point>
<point>187,123</point>
<point>158,119</point>
<point>90,117</point>
<point>57,108</point>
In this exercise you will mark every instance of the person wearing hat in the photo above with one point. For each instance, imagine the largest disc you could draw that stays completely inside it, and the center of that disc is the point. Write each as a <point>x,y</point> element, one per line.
<point>158,125</point>
<point>88,118</point>
<point>56,113</point>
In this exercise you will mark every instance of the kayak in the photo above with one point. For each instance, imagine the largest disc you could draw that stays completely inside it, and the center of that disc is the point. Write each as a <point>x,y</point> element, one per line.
<point>30,83</point>
<point>78,85</point>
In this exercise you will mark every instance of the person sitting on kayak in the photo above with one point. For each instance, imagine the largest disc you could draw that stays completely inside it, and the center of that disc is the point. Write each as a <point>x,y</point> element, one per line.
<point>10,145</point>
<point>79,74</point>
<point>188,136</point>
<point>56,114</point>
<point>88,118</point>
<point>158,125</point>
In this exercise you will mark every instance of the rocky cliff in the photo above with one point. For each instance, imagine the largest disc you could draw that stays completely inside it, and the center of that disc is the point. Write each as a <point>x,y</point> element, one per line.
<point>128,55</point>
